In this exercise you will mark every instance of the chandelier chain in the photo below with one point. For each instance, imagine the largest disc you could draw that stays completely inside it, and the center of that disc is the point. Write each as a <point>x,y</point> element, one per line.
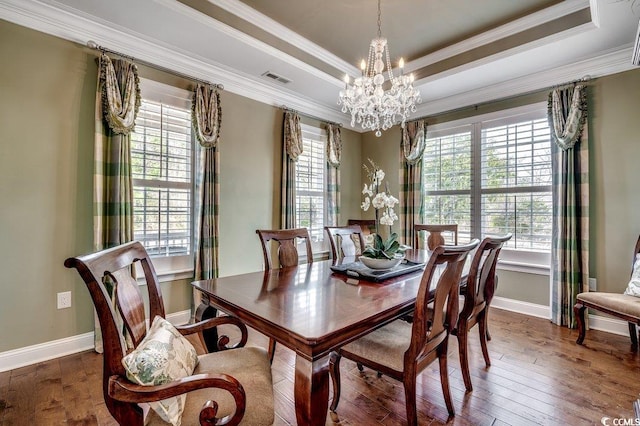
<point>379,20</point>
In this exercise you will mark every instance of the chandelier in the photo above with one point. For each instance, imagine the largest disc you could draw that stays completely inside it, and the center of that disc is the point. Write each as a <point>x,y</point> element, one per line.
<point>369,103</point>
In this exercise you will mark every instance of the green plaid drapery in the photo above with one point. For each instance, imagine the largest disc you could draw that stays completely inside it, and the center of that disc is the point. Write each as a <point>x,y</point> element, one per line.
<point>117,104</point>
<point>206,119</point>
<point>411,197</point>
<point>334,153</point>
<point>570,163</point>
<point>291,149</point>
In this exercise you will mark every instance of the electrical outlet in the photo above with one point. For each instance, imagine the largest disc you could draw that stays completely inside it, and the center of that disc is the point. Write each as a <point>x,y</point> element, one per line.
<point>592,284</point>
<point>64,300</point>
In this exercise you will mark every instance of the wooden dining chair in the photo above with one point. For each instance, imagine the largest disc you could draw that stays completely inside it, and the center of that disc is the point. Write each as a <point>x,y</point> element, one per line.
<point>401,350</point>
<point>479,289</point>
<point>287,243</point>
<point>287,240</point>
<point>435,237</point>
<point>345,240</point>
<point>234,382</point>
<point>368,225</point>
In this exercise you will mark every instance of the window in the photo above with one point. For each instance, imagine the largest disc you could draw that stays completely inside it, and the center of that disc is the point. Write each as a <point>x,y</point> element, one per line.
<point>492,175</point>
<point>310,185</point>
<point>162,157</point>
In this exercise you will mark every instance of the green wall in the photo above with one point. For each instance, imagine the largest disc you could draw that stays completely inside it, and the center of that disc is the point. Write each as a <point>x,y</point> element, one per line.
<point>47,98</point>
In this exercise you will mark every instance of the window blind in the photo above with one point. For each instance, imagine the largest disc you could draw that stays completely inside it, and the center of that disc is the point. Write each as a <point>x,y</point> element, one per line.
<point>161,157</point>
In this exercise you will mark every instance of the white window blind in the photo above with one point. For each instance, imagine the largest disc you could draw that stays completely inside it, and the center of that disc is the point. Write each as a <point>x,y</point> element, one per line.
<point>162,157</point>
<point>311,183</point>
<point>492,175</point>
<point>516,182</point>
<point>447,180</point>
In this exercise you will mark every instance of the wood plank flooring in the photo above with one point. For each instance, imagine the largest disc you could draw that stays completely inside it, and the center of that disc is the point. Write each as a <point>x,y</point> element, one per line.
<point>538,376</point>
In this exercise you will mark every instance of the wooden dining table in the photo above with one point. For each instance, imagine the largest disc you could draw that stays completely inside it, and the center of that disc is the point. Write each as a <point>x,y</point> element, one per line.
<point>313,311</point>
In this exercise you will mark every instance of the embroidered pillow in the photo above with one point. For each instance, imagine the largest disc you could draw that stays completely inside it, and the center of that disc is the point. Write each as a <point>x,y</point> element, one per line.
<point>163,356</point>
<point>633,289</point>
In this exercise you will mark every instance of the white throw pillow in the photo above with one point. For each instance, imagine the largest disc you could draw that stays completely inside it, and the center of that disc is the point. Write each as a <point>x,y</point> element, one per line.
<point>633,289</point>
<point>163,356</point>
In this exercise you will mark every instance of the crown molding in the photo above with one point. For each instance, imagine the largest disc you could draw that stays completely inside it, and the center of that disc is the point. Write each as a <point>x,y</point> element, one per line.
<point>59,22</point>
<point>267,24</point>
<point>248,40</point>
<point>509,52</point>
<point>51,19</point>
<point>530,21</point>
<point>608,62</point>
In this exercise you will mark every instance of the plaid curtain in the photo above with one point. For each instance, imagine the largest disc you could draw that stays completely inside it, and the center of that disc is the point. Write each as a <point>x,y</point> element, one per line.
<point>206,117</point>
<point>334,152</point>
<point>411,197</point>
<point>117,104</point>
<point>292,148</point>
<point>570,163</point>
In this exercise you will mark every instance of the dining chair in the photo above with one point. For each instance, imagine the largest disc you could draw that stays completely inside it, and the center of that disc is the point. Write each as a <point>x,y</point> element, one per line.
<point>401,350</point>
<point>368,225</point>
<point>435,237</point>
<point>287,240</point>
<point>479,290</point>
<point>345,240</point>
<point>623,306</point>
<point>160,368</point>
<point>287,243</point>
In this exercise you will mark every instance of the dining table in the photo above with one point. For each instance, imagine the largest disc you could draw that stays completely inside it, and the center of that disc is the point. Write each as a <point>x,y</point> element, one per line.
<point>313,311</point>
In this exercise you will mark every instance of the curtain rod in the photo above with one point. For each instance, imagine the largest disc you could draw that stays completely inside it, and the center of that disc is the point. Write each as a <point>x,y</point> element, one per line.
<point>584,79</point>
<point>286,108</point>
<point>93,45</point>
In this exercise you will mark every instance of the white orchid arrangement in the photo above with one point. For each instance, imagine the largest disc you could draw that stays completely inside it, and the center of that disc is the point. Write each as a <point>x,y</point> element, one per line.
<point>383,203</point>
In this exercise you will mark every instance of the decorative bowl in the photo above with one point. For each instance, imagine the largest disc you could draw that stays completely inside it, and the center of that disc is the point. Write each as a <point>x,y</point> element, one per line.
<point>372,263</point>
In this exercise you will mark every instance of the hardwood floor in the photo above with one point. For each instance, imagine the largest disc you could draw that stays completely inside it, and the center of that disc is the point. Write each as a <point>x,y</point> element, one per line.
<point>538,376</point>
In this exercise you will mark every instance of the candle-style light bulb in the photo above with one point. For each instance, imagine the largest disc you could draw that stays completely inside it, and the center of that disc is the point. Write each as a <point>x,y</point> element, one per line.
<point>401,63</point>
<point>411,77</point>
<point>363,66</point>
<point>346,80</point>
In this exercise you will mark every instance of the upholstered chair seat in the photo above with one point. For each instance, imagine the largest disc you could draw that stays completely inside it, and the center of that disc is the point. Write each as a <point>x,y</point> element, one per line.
<point>251,367</point>
<point>619,303</point>
<point>385,346</point>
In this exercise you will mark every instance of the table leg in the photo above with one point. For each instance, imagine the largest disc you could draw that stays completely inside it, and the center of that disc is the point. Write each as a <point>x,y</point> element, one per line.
<point>311,390</point>
<point>206,311</point>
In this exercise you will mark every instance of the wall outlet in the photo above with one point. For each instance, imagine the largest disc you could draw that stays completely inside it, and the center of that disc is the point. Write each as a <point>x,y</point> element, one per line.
<point>64,300</point>
<point>592,284</point>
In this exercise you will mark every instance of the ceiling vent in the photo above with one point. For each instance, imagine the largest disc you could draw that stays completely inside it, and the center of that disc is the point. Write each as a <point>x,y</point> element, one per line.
<point>276,77</point>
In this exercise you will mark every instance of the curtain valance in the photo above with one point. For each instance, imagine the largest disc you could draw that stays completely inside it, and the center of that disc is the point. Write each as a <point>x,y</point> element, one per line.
<point>206,115</point>
<point>413,141</point>
<point>120,92</point>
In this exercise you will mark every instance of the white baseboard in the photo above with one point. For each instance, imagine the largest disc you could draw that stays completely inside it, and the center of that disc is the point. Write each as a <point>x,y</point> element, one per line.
<point>21,357</point>
<point>532,309</point>
<point>610,325</point>
<point>596,322</point>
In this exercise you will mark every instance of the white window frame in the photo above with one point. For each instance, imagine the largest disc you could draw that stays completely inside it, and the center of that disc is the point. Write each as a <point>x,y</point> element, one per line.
<point>170,268</point>
<point>319,136</point>
<point>519,260</point>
